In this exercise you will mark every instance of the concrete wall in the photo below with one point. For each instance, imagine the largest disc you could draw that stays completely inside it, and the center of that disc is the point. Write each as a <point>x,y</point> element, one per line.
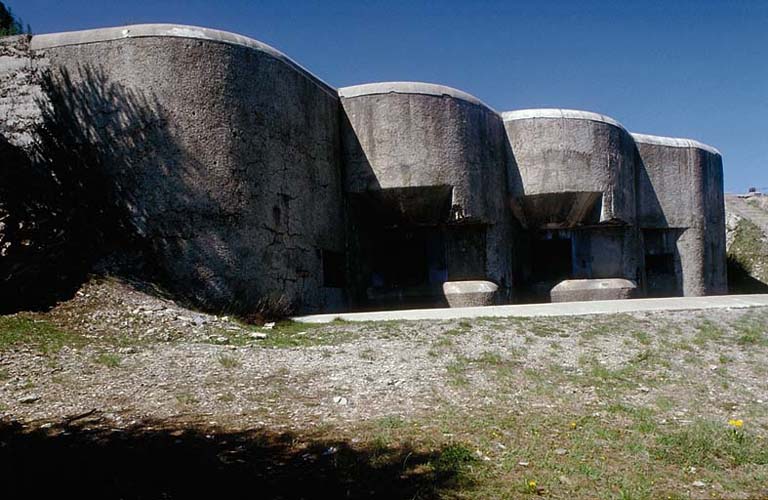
<point>680,187</point>
<point>402,134</point>
<point>223,153</point>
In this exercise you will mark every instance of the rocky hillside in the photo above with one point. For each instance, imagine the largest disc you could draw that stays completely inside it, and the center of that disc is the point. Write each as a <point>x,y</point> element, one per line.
<point>747,243</point>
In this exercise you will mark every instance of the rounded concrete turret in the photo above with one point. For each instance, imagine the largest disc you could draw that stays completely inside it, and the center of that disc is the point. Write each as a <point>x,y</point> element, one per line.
<point>570,167</point>
<point>436,156</point>
<point>680,190</point>
<point>409,134</point>
<point>222,151</point>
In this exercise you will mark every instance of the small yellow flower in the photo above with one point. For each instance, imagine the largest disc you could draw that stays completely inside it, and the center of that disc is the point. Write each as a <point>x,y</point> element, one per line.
<point>573,425</point>
<point>737,423</point>
<point>532,484</point>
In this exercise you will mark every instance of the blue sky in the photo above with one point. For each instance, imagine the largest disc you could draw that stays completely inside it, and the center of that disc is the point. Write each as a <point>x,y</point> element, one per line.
<point>696,69</point>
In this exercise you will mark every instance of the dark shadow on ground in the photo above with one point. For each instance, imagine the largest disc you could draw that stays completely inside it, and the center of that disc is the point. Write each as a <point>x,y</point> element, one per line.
<point>740,281</point>
<point>154,461</point>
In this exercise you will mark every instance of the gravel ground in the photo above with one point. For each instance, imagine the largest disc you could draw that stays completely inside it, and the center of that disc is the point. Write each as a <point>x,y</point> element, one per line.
<point>145,358</point>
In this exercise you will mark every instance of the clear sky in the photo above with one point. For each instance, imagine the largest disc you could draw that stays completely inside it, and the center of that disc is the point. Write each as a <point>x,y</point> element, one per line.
<point>694,68</point>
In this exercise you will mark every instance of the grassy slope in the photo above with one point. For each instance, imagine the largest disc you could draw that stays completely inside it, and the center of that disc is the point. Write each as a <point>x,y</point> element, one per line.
<point>748,259</point>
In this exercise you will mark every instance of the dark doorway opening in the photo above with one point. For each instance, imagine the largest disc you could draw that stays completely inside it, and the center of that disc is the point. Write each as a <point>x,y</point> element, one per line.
<point>551,259</point>
<point>466,247</point>
<point>407,257</point>
<point>661,280</point>
<point>399,257</point>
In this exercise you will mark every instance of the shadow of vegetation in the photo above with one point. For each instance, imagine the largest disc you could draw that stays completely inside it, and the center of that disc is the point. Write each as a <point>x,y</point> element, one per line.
<point>131,168</point>
<point>63,210</point>
<point>740,281</point>
<point>106,188</point>
<point>150,461</point>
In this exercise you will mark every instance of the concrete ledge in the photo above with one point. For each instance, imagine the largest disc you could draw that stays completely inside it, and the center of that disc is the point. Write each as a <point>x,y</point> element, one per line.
<point>557,113</point>
<point>593,289</point>
<point>53,40</point>
<point>470,293</point>
<point>560,309</point>
<point>674,142</point>
<point>409,88</point>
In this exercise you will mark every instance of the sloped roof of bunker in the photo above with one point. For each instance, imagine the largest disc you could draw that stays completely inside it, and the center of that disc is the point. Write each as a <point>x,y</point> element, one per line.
<point>409,88</point>
<point>52,40</point>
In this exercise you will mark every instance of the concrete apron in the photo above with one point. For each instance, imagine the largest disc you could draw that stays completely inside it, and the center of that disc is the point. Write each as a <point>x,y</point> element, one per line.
<point>558,309</point>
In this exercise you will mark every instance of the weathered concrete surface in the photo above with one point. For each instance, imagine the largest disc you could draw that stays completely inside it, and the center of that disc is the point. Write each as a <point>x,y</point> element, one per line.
<point>470,293</point>
<point>593,289</point>
<point>223,153</point>
<point>403,136</point>
<point>565,151</point>
<point>559,309</point>
<point>680,191</point>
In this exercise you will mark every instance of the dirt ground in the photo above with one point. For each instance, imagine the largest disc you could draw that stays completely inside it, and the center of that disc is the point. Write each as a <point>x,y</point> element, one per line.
<point>182,403</point>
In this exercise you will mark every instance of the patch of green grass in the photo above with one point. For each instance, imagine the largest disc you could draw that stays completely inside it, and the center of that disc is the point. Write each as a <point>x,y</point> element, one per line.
<point>541,328</point>
<point>390,422</point>
<point>642,337</point>
<point>489,358</point>
<point>108,359</point>
<point>614,324</point>
<point>705,443</point>
<point>665,403</point>
<point>626,375</point>
<point>463,326</point>
<point>622,452</point>
<point>229,362</point>
<point>186,398</point>
<point>644,419</point>
<point>706,332</point>
<point>440,346</point>
<point>289,334</point>
<point>752,329</point>
<point>38,334</point>
<point>453,459</point>
<point>457,371</point>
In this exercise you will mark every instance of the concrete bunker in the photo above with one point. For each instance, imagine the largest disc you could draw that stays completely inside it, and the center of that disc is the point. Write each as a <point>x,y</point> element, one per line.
<point>251,180</point>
